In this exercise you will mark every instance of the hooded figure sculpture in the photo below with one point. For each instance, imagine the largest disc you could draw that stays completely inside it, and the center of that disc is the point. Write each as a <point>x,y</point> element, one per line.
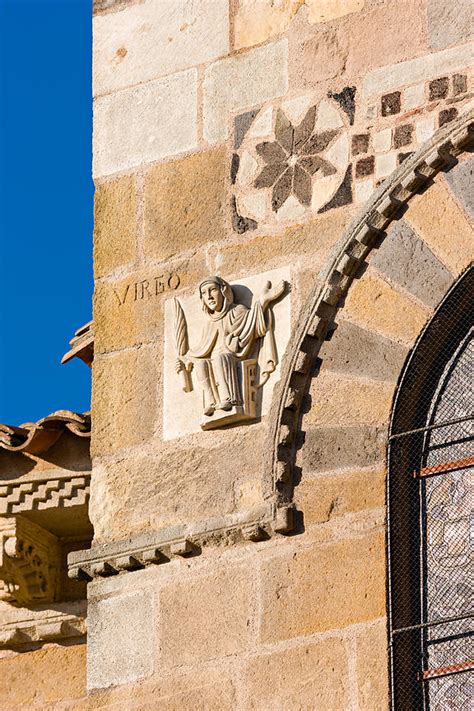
<point>230,337</point>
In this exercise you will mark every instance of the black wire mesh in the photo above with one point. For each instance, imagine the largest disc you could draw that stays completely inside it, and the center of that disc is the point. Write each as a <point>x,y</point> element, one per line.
<point>431,520</point>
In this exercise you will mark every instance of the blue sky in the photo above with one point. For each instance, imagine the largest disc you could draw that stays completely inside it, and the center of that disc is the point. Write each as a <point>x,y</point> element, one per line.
<point>46,198</point>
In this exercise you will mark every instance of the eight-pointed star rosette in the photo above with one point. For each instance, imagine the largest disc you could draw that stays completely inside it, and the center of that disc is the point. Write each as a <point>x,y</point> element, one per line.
<point>298,168</point>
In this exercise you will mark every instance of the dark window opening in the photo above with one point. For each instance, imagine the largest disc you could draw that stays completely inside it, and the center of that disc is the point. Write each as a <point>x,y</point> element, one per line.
<point>430,517</point>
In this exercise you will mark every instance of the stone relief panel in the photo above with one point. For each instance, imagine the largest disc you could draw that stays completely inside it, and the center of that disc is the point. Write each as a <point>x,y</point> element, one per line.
<point>223,348</point>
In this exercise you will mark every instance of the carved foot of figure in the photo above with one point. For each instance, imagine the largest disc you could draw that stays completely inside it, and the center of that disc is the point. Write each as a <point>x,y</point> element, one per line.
<point>210,409</point>
<point>225,405</point>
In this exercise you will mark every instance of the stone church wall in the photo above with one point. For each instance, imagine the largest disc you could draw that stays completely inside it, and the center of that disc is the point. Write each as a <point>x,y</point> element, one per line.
<point>244,567</point>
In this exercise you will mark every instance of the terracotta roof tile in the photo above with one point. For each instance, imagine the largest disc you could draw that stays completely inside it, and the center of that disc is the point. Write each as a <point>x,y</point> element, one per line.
<point>37,437</point>
<point>82,344</point>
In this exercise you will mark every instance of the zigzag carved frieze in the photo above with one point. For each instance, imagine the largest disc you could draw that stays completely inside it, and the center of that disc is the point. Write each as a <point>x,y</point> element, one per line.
<point>38,495</point>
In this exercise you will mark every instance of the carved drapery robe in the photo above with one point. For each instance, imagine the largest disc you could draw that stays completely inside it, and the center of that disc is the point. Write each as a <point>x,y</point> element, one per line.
<point>231,336</point>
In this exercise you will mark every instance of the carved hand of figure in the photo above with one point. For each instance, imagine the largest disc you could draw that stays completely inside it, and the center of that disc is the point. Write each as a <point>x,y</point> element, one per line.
<point>183,364</point>
<point>272,293</point>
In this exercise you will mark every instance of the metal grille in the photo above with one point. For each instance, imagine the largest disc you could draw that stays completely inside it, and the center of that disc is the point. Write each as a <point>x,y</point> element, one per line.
<point>431,521</point>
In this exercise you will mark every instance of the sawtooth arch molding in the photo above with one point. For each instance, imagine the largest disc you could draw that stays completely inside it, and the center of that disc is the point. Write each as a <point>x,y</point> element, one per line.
<point>366,233</point>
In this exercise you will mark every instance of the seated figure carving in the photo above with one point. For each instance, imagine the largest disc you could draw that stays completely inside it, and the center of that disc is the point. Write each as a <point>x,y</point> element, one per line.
<point>234,338</point>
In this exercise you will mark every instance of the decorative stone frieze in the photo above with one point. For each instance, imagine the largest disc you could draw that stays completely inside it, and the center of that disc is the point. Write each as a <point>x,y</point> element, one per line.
<point>67,621</point>
<point>30,560</point>
<point>40,494</point>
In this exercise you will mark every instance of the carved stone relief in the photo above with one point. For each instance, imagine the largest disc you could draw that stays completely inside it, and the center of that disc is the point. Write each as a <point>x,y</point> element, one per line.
<point>30,561</point>
<point>222,346</point>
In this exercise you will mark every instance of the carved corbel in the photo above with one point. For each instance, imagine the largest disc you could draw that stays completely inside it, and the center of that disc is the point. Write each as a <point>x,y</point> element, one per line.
<point>30,560</point>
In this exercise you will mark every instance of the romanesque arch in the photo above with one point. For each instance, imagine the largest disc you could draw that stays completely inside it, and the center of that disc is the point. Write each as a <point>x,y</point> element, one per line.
<point>395,220</point>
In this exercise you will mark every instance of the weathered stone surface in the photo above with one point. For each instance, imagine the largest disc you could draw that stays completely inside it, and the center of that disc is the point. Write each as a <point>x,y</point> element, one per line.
<point>257,21</point>
<point>186,203</point>
<point>448,23</point>
<point>242,82</point>
<point>151,39</point>
<point>372,668</point>
<point>325,587</point>
<point>428,66</point>
<point>120,644</point>
<point>407,260</point>
<point>352,349</point>
<point>317,238</point>
<point>385,164</point>
<point>129,311</point>
<point>212,691</point>
<point>32,681</point>
<point>460,180</point>
<point>439,220</point>
<point>124,399</point>
<point>142,491</point>
<point>327,496</point>
<point>311,676</point>
<point>344,400</point>
<point>334,447</point>
<point>392,46</point>
<point>144,123</point>
<point>115,225</point>
<point>324,48</point>
<point>373,304</point>
<point>214,613</point>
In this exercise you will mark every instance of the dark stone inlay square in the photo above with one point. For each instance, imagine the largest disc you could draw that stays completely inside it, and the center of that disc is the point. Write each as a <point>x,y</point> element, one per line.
<point>391,103</point>
<point>459,84</point>
<point>365,166</point>
<point>446,116</point>
<point>403,135</point>
<point>360,143</point>
<point>439,88</point>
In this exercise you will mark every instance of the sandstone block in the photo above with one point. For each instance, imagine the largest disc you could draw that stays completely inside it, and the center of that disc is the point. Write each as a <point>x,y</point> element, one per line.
<point>460,180</point>
<point>129,311</point>
<point>144,123</point>
<point>242,82</point>
<point>214,612</point>
<point>335,447</point>
<point>114,224</point>
<point>186,203</point>
<point>153,39</point>
<point>124,399</point>
<point>383,22</point>
<point>212,691</point>
<point>448,23</point>
<point>120,644</point>
<point>311,676</point>
<point>344,400</point>
<point>372,668</point>
<point>327,496</point>
<point>407,260</point>
<point>142,491</point>
<point>439,220</point>
<point>373,304</point>
<point>317,238</point>
<point>414,71</point>
<point>31,680</point>
<point>355,350</point>
<point>257,21</point>
<point>325,587</point>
